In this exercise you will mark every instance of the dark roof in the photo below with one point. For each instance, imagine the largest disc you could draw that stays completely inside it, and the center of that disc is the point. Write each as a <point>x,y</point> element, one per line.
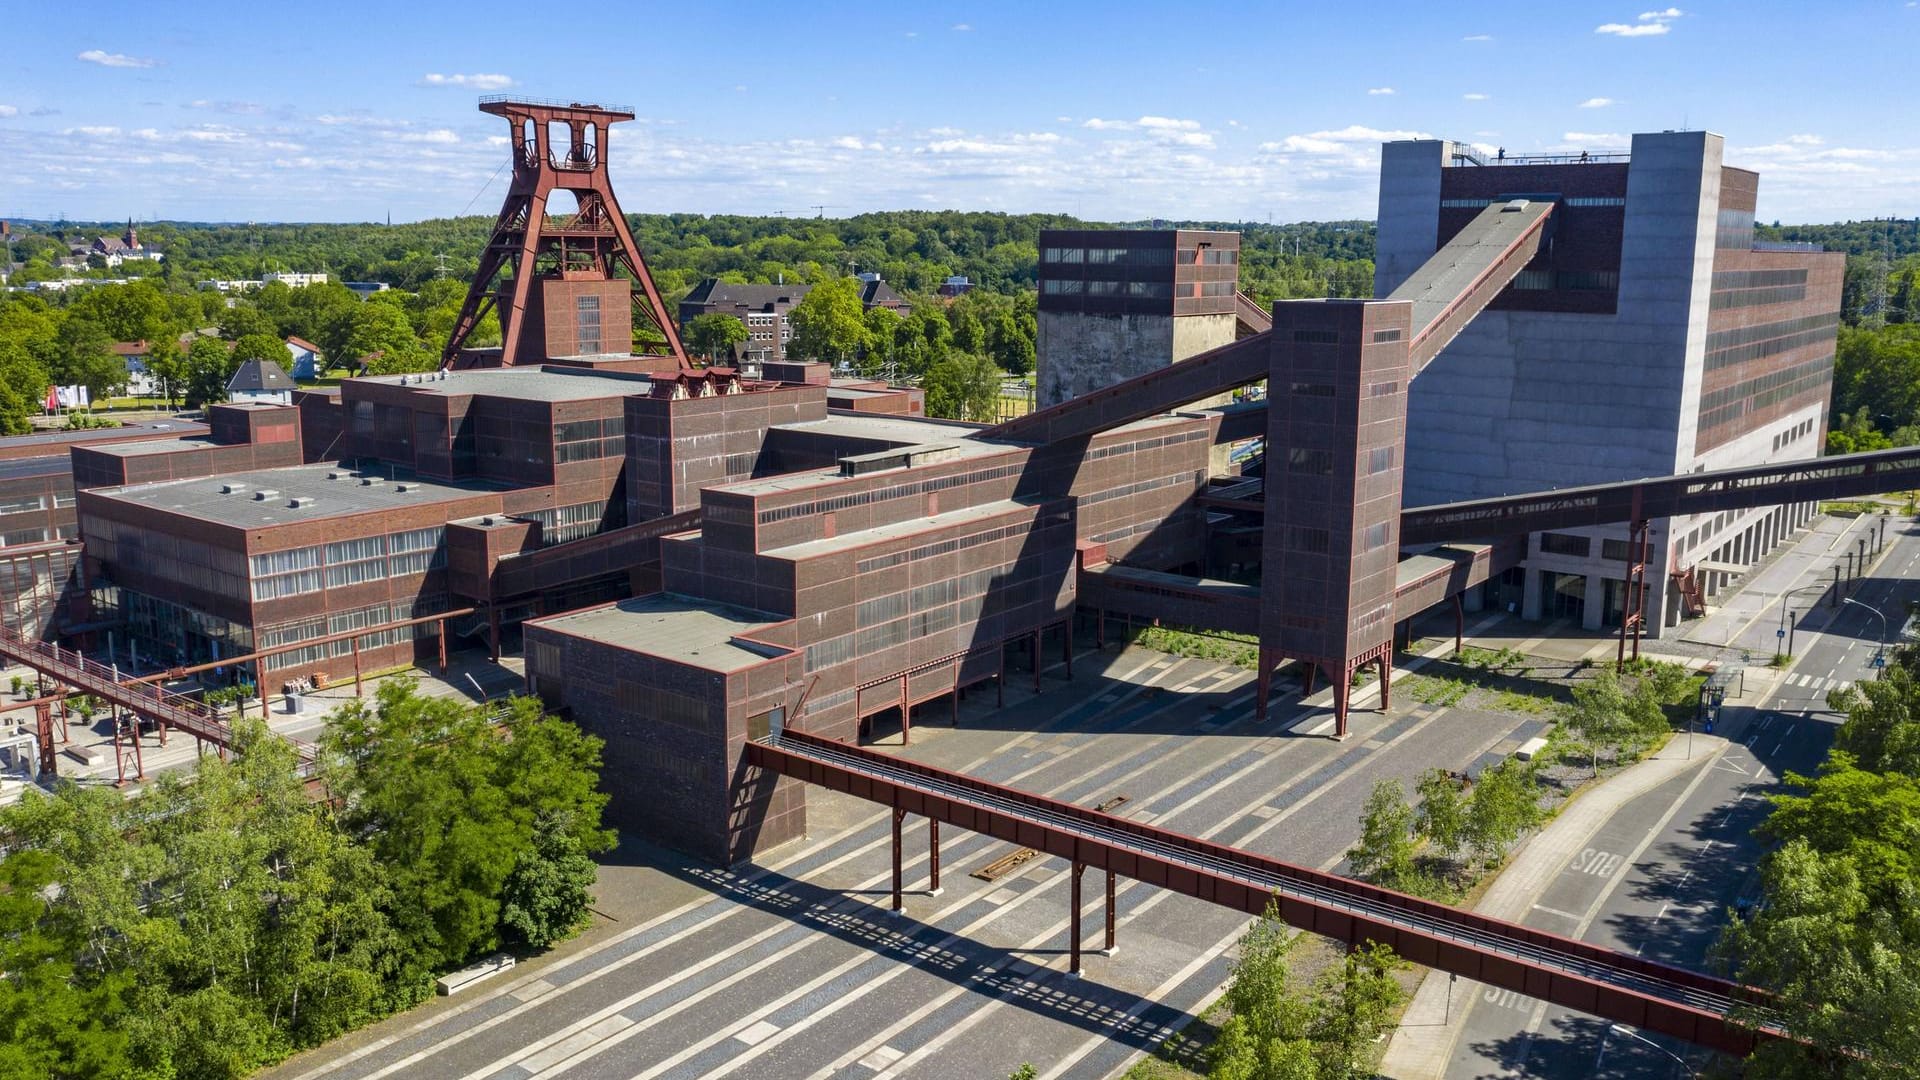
<point>727,294</point>
<point>878,292</point>
<point>261,375</point>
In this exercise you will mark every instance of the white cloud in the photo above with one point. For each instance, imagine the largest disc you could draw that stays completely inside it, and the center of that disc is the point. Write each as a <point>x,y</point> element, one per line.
<point>911,33</point>
<point>244,108</point>
<point>214,133</point>
<point>1651,24</point>
<point>1339,142</point>
<point>1478,37</point>
<point>9,110</point>
<point>468,82</point>
<point>1806,140</point>
<point>438,136</point>
<point>1597,103</point>
<point>1578,140</point>
<point>853,142</point>
<point>962,27</point>
<point>115,60</point>
<point>360,120</point>
<point>1380,91</point>
<point>98,131</point>
<point>739,88</point>
<point>1475,97</point>
<point>1165,129</point>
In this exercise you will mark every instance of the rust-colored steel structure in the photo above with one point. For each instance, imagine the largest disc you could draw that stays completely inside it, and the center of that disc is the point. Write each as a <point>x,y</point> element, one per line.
<point>1620,987</point>
<point>556,147</point>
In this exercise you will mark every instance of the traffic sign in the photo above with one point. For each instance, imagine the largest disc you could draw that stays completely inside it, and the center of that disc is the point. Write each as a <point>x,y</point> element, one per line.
<point>1779,633</point>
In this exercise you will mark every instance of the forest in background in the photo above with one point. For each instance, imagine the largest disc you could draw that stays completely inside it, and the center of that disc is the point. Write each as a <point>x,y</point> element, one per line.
<point>957,350</point>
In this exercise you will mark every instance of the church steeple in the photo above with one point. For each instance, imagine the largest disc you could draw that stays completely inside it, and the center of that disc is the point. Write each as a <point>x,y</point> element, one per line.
<point>132,238</point>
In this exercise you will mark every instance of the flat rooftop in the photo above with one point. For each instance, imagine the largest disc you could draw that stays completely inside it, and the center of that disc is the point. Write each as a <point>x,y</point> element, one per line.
<point>529,383</point>
<point>334,491</point>
<point>51,442</point>
<point>144,447</point>
<point>685,631</point>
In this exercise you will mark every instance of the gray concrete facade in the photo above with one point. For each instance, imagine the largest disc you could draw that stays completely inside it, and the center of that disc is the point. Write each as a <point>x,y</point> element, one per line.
<point>1532,400</point>
<point>1078,353</point>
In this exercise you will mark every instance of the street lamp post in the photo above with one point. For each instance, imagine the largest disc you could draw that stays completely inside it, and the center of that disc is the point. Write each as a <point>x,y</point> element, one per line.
<point>1881,654</point>
<point>1617,1029</point>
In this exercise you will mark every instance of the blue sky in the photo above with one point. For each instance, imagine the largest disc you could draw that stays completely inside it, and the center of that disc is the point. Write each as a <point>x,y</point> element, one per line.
<point>263,111</point>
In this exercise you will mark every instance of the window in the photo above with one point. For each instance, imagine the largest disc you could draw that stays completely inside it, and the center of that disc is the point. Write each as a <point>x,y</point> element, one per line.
<point>1374,536</point>
<point>1382,389</point>
<point>586,321</point>
<point>1379,460</point>
<point>1381,337</point>
<point>1311,541</point>
<point>1316,337</point>
<point>1310,462</point>
<point>1307,389</point>
<point>1063,286</point>
<point>1565,544</point>
<point>1065,255</point>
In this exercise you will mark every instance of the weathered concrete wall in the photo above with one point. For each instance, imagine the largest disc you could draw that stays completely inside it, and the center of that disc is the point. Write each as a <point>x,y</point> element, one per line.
<point>1080,353</point>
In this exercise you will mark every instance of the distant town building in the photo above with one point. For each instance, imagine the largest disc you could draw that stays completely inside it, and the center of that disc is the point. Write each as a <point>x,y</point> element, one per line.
<point>113,250</point>
<point>304,356</point>
<point>763,308</point>
<point>291,280</point>
<point>366,288</point>
<point>955,285</point>
<point>261,381</point>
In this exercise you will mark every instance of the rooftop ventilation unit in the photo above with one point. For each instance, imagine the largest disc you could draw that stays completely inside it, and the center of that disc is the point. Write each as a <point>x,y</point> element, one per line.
<point>232,489</point>
<point>296,504</point>
<point>264,494</point>
<point>369,481</point>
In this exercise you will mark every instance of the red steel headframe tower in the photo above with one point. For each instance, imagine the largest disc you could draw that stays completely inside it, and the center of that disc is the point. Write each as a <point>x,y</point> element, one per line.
<point>559,273</point>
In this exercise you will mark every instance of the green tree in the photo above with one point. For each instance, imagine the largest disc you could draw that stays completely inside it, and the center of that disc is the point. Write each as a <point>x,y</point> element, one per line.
<point>1882,729</point>
<point>829,323</point>
<point>57,1018</point>
<point>260,347</point>
<point>962,386</point>
<point>381,334</point>
<point>243,318</point>
<point>882,326</point>
<point>1012,345</point>
<point>136,311</point>
<point>1442,811</point>
<point>1385,852</point>
<point>1266,1038</point>
<point>546,897</point>
<point>1354,1007</point>
<point>1505,804</point>
<point>167,365</point>
<point>715,334</point>
<point>1600,715</point>
<point>208,366</point>
<point>449,795</point>
<point>83,356</point>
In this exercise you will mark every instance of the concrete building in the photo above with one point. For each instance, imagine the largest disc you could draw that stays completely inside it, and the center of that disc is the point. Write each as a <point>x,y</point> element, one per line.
<point>304,360</point>
<point>1651,336</point>
<point>1119,303</point>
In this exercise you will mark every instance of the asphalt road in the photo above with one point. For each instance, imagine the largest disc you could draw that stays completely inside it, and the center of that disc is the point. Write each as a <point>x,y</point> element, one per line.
<point>1661,876</point>
<point>799,969</point>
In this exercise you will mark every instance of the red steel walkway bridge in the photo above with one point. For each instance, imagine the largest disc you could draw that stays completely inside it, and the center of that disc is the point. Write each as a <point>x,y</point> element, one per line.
<point>1613,985</point>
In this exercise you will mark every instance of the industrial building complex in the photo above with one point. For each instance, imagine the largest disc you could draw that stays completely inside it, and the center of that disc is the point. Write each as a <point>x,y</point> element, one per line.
<point>697,562</point>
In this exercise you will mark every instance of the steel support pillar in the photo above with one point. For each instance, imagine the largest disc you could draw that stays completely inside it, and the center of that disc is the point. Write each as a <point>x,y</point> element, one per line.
<point>1263,683</point>
<point>1111,936</point>
<point>493,634</point>
<point>933,855</point>
<point>906,714</point>
<point>43,732</point>
<point>1000,680</point>
<point>1100,628</point>
<point>956,706</point>
<point>1066,646</point>
<point>1342,690</point>
<point>1036,661</point>
<point>442,627</point>
<point>1386,681</point>
<point>358,690</point>
<point>1073,948</point>
<point>1459,624</point>
<point>899,816</point>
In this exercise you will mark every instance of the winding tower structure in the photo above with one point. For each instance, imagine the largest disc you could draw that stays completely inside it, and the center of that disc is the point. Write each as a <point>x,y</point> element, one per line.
<point>557,283</point>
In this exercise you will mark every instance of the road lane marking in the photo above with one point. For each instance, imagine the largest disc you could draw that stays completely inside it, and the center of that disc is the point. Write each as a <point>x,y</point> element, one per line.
<point>1556,911</point>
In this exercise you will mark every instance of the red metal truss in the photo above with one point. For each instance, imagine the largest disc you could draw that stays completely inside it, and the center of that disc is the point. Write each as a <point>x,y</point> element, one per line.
<point>594,243</point>
<point>1619,987</point>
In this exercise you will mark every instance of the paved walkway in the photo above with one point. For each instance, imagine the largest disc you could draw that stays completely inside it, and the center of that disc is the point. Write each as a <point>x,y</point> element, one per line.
<point>1423,1044</point>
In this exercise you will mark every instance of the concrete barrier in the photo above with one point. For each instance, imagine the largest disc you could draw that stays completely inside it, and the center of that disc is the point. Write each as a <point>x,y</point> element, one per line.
<point>455,981</point>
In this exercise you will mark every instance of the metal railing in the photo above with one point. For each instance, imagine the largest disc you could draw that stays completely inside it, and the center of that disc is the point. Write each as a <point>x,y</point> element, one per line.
<point>184,713</point>
<point>550,103</point>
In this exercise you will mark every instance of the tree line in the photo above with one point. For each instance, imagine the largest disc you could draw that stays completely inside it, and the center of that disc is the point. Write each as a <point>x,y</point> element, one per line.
<point>218,923</point>
<point>1835,936</point>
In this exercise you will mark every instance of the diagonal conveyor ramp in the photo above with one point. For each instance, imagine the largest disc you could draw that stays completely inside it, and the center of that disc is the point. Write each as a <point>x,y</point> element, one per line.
<point>1446,292</point>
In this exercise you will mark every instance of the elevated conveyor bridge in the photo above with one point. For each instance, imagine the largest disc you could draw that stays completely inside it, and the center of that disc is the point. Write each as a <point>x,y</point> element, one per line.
<point>1616,986</point>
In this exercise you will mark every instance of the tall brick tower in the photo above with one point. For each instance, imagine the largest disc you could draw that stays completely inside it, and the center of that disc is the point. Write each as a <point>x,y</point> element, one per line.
<point>563,292</point>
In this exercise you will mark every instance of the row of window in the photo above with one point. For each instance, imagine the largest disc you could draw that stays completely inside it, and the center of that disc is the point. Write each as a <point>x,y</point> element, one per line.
<point>1799,431</point>
<point>1726,348</point>
<point>1137,446</point>
<point>1139,256</point>
<point>295,571</point>
<point>1574,200</point>
<point>886,494</point>
<point>23,506</point>
<point>1740,298</point>
<point>1568,280</point>
<point>1752,395</point>
<point>1757,279</point>
<point>1194,479</point>
<point>341,622</point>
<point>1151,290</point>
<point>961,543</point>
